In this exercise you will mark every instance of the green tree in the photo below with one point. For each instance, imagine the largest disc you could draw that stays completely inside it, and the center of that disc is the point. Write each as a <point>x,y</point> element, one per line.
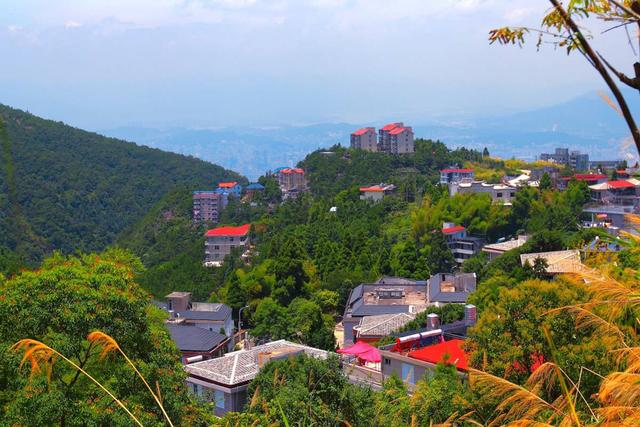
<point>545,182</point>
<point>60,304</point>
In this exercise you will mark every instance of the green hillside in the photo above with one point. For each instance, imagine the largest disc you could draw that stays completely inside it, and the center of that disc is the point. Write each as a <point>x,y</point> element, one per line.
<point>63,188</point>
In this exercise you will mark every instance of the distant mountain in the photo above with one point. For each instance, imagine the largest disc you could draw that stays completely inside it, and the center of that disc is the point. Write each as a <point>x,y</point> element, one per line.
<point>63,188</point>
<point>586,123</point>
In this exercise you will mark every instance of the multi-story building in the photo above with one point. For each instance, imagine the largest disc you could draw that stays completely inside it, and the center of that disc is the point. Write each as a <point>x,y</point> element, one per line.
<point>455,175</point>
<point>462,245</point>
<point>207,206</point>
<point>292,182</point>
<point>365,139</point>
<point>220,241</point>
<point>229,188</point>
<point>604,165</point>
<point>396,138</point>
<point>574,159</point>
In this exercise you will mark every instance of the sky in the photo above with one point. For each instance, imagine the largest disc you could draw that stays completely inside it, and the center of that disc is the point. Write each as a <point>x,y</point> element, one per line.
<point>102,64</point>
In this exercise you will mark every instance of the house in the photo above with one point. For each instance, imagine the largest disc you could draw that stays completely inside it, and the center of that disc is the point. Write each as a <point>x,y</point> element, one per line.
<point>376,193</point>
<point>365,139</point>
<point>620,192</point>
<point>253,188</point>
<point>589,178</point>
<point>221,240</point>
<point>558,262</point>
<point>462,246</point>
<point>449,288</point>
<point>214,317</point>
<point>416,354</point>
<point>494,250</point>
<point>456,175</point>
<point>193,341</point>
<point>387,296</point>
<point>500,193</point>
<point>372,328</point>
<point>207,206</point>
<point>395,138</point>
<point>229,188</point>
<point>292,182</point>
<point>224,380</point>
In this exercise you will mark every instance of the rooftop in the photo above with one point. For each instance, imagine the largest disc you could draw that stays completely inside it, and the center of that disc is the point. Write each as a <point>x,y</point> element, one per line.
<point>456,170</point>
<point>227,184</point>
<point>362,131</point>
<point>450,352</point>
<point>398,130</point>
<point>386,298</point>
<point>391,126</point>
<point>177,294</point>
<point>243,365</point>
<point>192,338</point>
<point>506,246</point>
<point>287,171</point>
<point>255,186</point>
<point>383,324</point>
<point>586,177</point>
<point>451,288</point>
<point>229,231</point>
<point>454,229</point>
<point>557,261</point>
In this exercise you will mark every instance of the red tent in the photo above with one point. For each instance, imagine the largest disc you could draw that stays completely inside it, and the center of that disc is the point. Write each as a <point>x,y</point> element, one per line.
<point>363,351</point>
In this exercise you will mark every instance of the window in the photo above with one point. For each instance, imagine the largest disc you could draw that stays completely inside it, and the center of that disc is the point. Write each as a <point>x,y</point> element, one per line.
<point>499,195</point>
<point>219,398</point>
<point>408,373</point>
<point>387,361</point>
<point>216,247</point>
<point>512,194</point>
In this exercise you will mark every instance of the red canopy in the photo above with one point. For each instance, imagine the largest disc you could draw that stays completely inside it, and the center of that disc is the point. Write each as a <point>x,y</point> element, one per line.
<point>364,352</point>
<point>436,353</point>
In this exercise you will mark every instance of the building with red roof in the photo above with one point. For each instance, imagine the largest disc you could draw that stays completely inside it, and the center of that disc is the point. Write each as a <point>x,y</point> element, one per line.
<point>221,240</point>
<point>365,139</point>
<point>620,192</point>
<point>292,182</point>
<point>231,188</point>
<point>449,352</point>
<point>376,192</point>
<point>396,138</point>
<point>207,206</point>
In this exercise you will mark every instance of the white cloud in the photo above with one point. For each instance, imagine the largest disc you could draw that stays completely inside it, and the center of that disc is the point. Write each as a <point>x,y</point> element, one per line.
<point>72,24</point>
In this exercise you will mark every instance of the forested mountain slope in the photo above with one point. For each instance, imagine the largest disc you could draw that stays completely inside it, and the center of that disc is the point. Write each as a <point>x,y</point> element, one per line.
<point>63,188</point>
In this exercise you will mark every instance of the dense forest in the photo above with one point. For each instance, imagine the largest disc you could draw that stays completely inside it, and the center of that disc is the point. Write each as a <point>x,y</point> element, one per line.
<point>66,189</point>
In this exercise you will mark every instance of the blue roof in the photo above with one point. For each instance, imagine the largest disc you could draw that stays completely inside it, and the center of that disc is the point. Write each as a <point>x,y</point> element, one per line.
<point>255,186</point>
<point>192,338</point>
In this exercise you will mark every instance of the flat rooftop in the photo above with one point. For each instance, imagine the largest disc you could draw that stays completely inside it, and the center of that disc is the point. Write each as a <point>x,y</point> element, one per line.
<point>395,295</point>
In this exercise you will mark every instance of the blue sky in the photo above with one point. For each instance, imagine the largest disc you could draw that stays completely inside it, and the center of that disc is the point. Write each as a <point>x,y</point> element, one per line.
<point>206,63</point>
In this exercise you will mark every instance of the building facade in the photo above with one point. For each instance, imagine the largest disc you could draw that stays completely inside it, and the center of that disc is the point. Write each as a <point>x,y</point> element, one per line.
<point>500,193</point>
<point>365,139</point>
<point>230,188</point>
<point>220,241</point>
<point>376,193</point>
<point>455,175</point>
<point>574,159</point>
<point>396,138</point>
<point>292,182</point>
<point>208,205</point>
<point>462,245</point>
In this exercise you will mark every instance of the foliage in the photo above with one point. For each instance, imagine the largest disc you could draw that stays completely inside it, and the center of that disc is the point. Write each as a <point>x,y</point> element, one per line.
<point>61,304</point>
<point>72,190</point>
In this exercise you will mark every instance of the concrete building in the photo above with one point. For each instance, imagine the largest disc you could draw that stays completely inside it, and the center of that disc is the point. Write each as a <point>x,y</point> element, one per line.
<point>213,317</point>
<point>376,193</point>
<point>621,192</point>
<point>221,240</point>
<point>387,296</point>
<point>224,380</point>
<point>208,205</point>
<point>416,354</point>
<point>500,193</point>
<point>396,138</point>
<point>575,159</point>
<point>229,188</point>
<point>494,250</point>
<point>449,288</point>
<point>365,139</point>
<point>558,262</point>
<point>455,175</point>
<point>371,329</point>
<point>252,189</point>
<point>292,182</point>
<point>604,165</point>
<point>462,245</point>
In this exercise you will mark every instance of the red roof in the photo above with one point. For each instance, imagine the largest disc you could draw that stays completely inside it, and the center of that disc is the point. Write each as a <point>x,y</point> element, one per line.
<point>620,184</point>
<point>227,184</point>
<point>229,231</point>
<point>362,131</point>
<point>397,131</point>
<point>292,170</point>
<point>365,352</point>
<point>391,126</point>
<point>436,353</point>
<point>456,171</point>
<point>587,177</point>
<point>453,229</point>
<point>375,189</point>
<point>622,172</point>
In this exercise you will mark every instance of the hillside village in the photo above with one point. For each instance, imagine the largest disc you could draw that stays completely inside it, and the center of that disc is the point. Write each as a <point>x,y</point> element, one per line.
<point>391,325</point>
